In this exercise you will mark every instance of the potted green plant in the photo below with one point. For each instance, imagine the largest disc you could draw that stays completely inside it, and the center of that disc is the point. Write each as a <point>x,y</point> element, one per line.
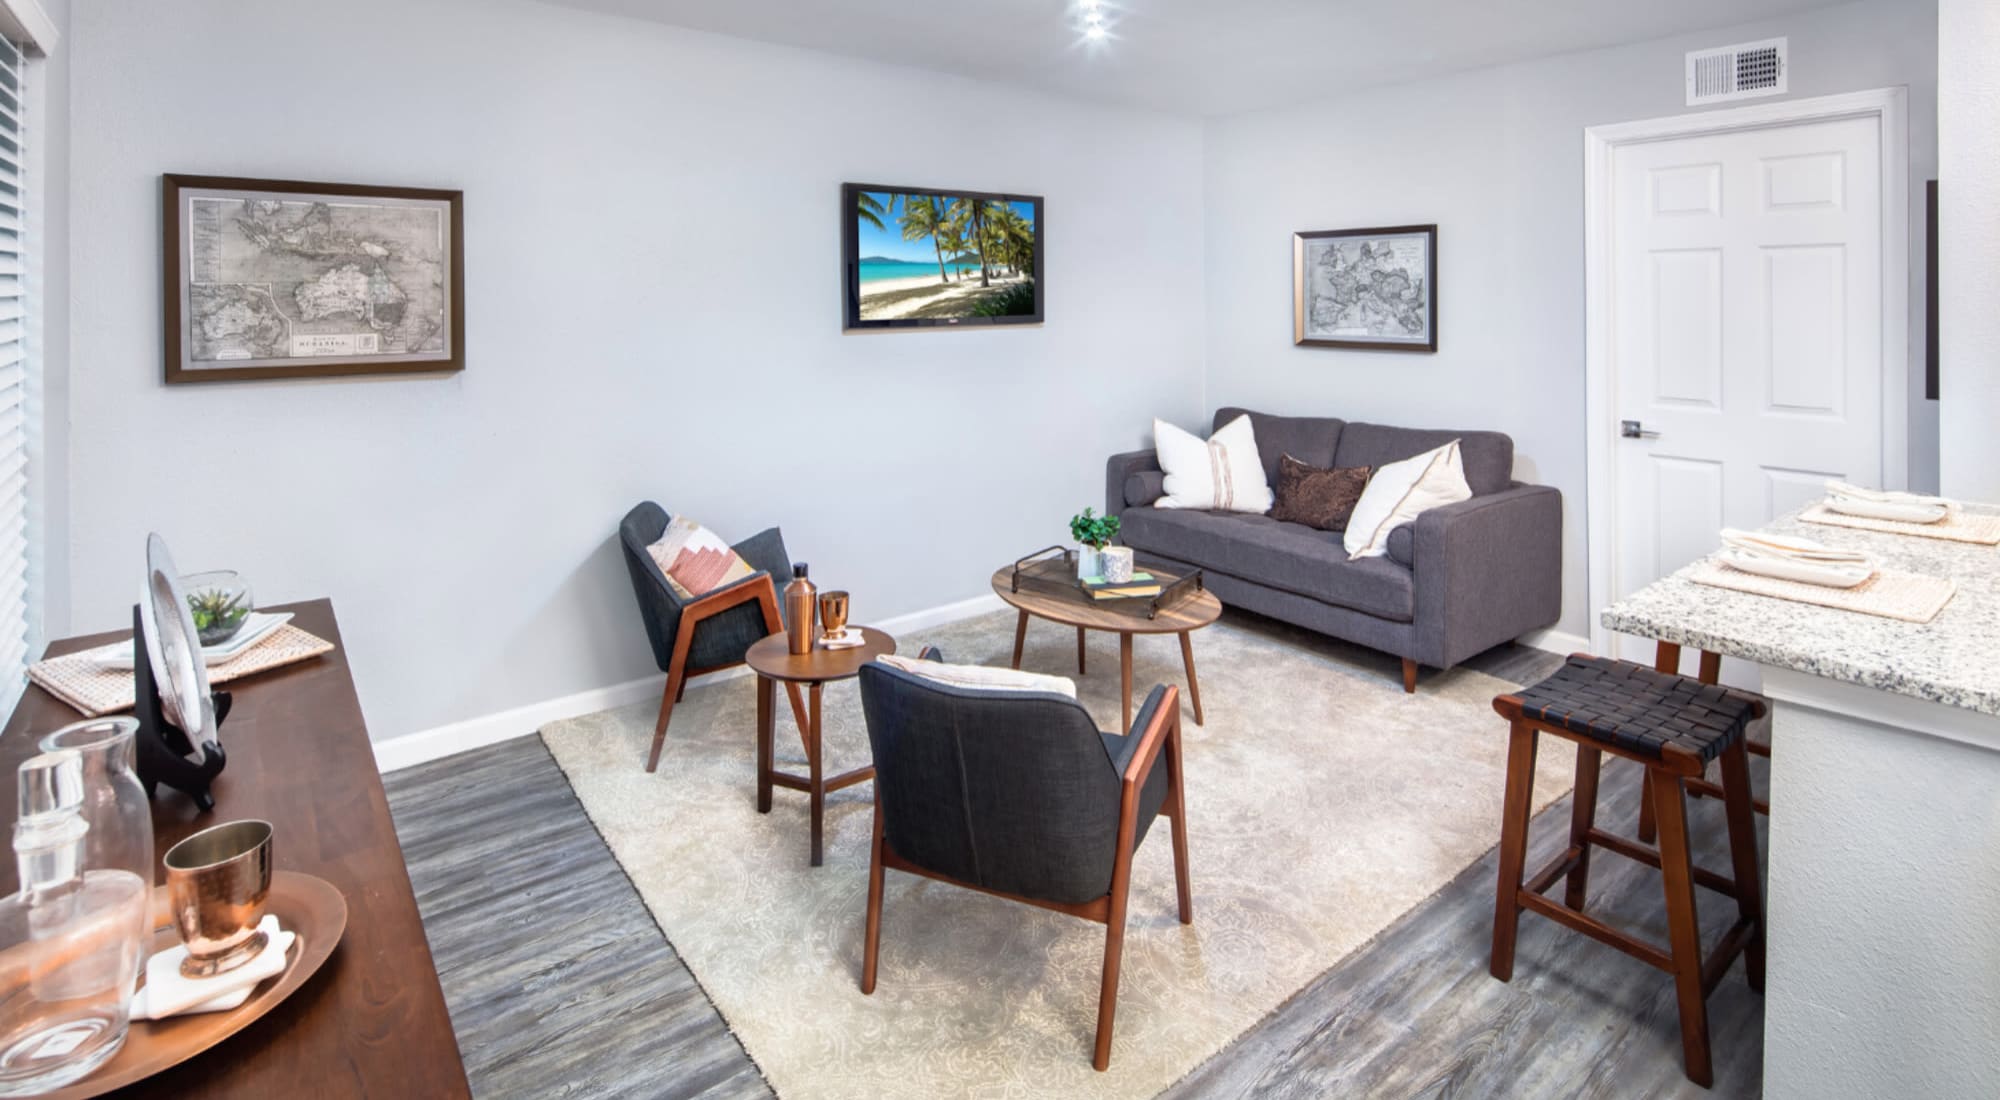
<point>1092,533</point>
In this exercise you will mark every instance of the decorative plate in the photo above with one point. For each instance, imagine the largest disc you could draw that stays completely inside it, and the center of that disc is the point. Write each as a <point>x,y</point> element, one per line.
<point>173,649</point>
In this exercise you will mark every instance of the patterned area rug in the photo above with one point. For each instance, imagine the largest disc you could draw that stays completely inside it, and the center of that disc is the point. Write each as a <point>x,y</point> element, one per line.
<point>1322,804</point>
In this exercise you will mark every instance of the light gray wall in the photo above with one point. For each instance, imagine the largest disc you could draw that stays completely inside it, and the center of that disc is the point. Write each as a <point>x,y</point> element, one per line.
<point>1495,158</point>
<point>1969,245</point>
<point>652,280</point>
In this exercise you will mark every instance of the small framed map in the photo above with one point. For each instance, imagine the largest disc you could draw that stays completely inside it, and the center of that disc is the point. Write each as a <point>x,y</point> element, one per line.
<point>283,279</point>
<point>1366,288</point>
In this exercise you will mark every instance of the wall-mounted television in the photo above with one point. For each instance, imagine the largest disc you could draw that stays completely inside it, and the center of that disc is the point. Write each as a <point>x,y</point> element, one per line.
<point>916,257</point>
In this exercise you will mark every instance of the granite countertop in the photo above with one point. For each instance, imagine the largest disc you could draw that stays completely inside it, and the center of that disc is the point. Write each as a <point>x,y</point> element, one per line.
<point>1954,659</point>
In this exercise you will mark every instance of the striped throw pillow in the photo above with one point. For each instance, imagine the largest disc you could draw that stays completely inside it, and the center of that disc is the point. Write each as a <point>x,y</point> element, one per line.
<point>695,559</point>
<point>1222,474</point>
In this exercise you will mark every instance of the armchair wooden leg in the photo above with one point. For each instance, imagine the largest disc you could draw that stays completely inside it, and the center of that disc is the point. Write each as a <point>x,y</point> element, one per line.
<point>676,679</point>
<point>871,942</point>
<point>675,682</point>
<point>1409,676</point>
<point>1114,951</point>
<point>1177,805</point>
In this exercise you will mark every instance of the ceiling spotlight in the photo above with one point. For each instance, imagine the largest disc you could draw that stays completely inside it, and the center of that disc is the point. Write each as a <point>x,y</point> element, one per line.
<point>1095,31</point>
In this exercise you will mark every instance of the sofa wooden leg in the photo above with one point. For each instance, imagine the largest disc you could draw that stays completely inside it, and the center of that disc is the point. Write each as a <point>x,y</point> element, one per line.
<point>1409,676</point>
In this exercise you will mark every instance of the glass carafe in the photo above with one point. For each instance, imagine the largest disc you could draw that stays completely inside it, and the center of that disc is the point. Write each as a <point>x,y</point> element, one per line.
<point>70,939</point>
<point>115,805</point>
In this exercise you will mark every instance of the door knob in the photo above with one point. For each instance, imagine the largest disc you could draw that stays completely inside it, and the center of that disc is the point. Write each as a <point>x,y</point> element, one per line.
<point>1630,429</point>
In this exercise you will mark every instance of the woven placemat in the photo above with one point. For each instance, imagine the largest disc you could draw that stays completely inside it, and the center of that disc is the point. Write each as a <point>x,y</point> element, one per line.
<point>1911,597</point>
<point>1956,527</point>
<point>83,680</point>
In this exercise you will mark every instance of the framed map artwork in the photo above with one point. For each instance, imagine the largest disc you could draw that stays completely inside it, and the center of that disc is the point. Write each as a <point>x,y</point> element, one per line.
<point>1366,288</point>
<point>282,279</point>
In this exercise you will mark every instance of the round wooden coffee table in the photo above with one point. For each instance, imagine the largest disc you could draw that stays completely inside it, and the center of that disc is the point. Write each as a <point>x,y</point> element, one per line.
<point>773,661</point>
<point>1190,614</point>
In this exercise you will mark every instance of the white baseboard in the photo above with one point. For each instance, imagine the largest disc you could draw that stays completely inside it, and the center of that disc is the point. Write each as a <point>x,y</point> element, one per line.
<point>412,749</point>
<point>1556,641</point>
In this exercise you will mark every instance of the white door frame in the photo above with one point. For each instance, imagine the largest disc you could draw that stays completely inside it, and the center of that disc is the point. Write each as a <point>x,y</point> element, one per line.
<point>1891,107</point>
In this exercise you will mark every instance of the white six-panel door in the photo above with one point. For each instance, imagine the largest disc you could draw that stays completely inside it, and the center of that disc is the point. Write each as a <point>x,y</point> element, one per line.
<point>1746,310</point>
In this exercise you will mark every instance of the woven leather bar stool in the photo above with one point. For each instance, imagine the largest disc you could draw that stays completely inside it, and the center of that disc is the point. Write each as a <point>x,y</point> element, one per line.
<point>1668,659</point>
<point>1673,726</point>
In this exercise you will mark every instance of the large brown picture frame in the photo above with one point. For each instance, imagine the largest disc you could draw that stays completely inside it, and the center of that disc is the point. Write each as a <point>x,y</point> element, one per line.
<point>365,270</point>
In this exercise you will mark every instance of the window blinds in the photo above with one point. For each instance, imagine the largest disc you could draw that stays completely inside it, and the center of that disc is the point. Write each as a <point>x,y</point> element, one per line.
<point>14,366</point>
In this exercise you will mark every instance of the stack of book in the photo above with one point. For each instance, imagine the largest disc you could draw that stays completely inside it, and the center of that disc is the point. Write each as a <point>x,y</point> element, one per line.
<point>1141,586</point>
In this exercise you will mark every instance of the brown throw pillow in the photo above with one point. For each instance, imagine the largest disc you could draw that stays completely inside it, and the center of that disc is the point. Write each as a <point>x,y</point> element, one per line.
<point>1316,496</point>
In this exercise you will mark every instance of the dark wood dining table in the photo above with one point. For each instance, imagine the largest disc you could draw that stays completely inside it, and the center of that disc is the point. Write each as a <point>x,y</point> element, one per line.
<point>372,1022</point>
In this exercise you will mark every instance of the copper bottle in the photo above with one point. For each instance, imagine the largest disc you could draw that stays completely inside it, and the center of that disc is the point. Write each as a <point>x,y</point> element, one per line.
<point>799,608</point>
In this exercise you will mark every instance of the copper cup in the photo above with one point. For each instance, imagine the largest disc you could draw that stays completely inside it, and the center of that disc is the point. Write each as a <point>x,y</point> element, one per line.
<point>218,881</point>
<point>833,613</point>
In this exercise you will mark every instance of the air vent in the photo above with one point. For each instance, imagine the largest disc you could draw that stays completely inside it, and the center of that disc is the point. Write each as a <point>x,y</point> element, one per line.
<point>1743,71</point>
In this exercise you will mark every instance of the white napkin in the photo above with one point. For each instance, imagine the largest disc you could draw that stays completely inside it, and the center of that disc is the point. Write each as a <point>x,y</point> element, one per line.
<point>1788,546</point>
<point>1825,574</point>
<point>168,993</point>
<point>1855,500</point>
<point>1789,557</point>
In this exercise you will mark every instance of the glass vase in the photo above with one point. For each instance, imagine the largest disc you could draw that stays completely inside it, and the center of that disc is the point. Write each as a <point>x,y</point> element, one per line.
<point>71,939</point>
<point>115,805</point>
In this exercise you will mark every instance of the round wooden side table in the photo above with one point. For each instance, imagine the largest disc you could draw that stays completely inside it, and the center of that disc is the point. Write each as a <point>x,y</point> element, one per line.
<point>773,661</point>
<point>1071,609</point>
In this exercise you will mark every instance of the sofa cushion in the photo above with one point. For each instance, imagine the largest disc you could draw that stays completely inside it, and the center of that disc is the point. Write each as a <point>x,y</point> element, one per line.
<point>1287,556</point>
<point>1316,496</point>
<point>1309,439</point>
<point>1145,487</point>
<point>1403,545</point>
<point>1488,457</point>
<point>1225,471</point>
<point>980,677</point>
<point>1400,492</point>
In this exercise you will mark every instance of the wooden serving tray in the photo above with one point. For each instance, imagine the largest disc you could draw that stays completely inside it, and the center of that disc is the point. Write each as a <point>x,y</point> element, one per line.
<point>308,906</point>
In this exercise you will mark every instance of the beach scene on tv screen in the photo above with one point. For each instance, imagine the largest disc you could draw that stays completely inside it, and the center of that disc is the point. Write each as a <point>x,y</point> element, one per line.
<point>927,256</point>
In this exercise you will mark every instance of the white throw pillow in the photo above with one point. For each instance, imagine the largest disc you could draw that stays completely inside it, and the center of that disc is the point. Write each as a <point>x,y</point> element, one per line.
<point>1398,492</point>
<point>1223,473</point>
<point>981,677</point>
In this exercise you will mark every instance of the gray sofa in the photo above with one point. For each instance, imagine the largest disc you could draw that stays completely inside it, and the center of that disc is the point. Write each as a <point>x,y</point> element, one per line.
<point>1460,579</point>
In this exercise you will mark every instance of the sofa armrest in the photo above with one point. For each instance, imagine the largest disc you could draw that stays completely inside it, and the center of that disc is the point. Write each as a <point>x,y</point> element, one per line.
<point>1117,470</point>
<point>1487,571</point>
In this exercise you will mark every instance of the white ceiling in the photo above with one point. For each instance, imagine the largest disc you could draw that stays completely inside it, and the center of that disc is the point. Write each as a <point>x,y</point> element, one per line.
<point>1205,57</point>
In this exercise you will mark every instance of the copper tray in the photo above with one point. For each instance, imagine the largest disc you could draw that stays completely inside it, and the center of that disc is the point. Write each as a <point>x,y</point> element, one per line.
<point>304,904</point>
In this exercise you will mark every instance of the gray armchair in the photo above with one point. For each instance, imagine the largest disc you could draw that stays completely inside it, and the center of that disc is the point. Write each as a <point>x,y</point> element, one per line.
<point>694,637</point>
<point>1019,795</point>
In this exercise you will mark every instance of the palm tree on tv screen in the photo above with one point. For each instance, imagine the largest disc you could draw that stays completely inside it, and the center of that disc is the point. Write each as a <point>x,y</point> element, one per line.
<point>1013,238</point>
<point>972,215</point>
<point>923,216</point>
<point>870,209</point>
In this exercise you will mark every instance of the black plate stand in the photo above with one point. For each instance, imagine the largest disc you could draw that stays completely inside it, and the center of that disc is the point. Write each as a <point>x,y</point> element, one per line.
<point>164,748</point>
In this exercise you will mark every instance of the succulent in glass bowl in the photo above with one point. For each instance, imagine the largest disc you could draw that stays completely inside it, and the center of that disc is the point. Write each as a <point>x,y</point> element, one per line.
<point>220,602</point>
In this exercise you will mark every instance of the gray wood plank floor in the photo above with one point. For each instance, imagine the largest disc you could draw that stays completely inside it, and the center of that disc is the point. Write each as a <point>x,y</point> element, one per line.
<point>560,983</point>
<point>558,980</point>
